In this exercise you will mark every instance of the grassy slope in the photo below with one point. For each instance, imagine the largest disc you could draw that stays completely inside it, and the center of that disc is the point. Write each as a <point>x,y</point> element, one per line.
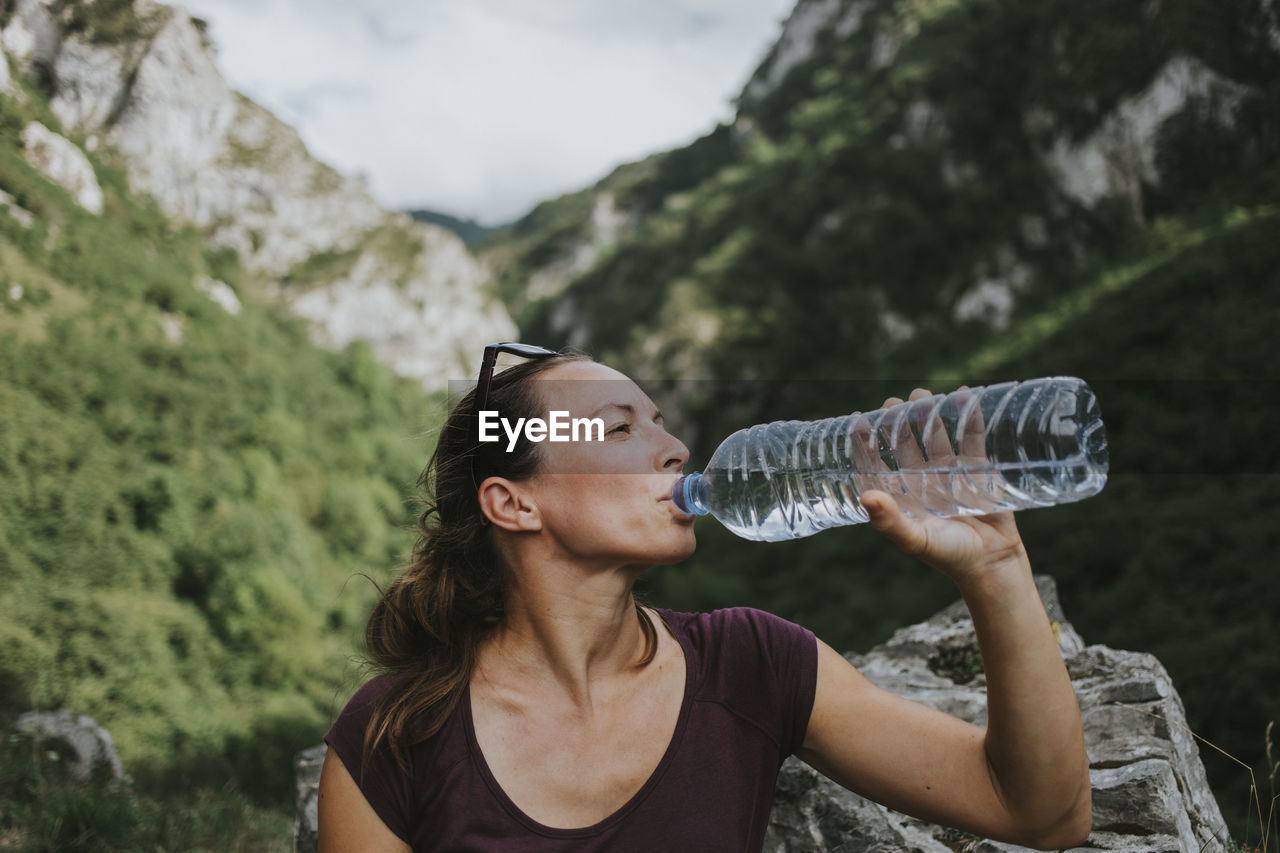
<point>180,520</point>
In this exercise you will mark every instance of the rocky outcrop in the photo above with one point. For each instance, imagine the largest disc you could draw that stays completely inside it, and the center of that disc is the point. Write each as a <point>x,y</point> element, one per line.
<point>808,19</point>
<point>306,772</point>
<point>217,159</point>
<point>220,292</point>
<point>31,35</point>
<point>6,80</point>
<point>1150,793</point>
<point>20,214</point>
<point>1082,178</point>
<point>79,742</point>
<point>62,162</point>
<point>604,225</point>
<point>1119,157</point>
<point>1114,161</point>
<point>422,309</point>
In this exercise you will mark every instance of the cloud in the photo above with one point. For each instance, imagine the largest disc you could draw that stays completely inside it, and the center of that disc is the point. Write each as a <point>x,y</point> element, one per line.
<point>484,108</point>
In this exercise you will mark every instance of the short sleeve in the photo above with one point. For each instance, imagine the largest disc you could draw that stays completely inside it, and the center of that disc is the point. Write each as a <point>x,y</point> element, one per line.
<point>765,668</point>
<point>791,653</point>
<point>384,785</point>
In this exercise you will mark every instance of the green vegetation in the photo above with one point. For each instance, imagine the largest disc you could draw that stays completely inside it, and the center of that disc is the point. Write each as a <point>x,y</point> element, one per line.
<point>470,231</point>
<point>893,170</point>
<point>45,809</point>
<point>195,509</point>
<point>399,250</point>
<point>188,500</point>
<point>323,267</point>
<point>551,231</point>
<point>109,21</point>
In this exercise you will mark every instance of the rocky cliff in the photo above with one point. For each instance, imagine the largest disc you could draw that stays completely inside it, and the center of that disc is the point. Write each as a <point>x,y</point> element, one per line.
<point>1150,794</point>
<point>145,90</point>
<point>913,166</point>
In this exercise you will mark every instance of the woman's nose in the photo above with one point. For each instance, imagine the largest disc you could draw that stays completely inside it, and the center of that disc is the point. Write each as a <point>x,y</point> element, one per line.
<point>675,454</point>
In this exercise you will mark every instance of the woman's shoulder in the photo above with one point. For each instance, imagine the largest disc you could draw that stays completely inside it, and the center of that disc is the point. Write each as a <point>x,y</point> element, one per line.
<point>362,703</point>
<point>742,639</point>
<point>351,728</point>
<point>743,624</point>
<point>374,698</point>
<point>760,665</point>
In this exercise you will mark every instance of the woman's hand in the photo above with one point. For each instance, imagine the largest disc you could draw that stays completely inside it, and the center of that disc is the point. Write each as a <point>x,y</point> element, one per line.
<point>964,548</point>
<point>1025,778</point>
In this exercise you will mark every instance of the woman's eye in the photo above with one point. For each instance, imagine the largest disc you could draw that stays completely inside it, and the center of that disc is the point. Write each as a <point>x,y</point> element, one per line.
<point>621,428</point>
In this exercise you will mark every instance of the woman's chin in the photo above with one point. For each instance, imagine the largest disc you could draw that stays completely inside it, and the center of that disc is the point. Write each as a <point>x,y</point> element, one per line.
<point>685,550</point>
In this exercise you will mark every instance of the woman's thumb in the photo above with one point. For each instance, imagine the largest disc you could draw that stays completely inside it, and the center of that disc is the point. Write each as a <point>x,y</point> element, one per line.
<point>884,515</point>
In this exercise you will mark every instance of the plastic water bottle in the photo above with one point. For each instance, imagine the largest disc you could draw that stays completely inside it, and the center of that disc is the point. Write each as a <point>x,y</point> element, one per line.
<point>974,451</point>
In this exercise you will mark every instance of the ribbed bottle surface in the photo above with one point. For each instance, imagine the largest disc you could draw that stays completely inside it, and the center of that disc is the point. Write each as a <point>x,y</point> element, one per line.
<point>1004,447</point>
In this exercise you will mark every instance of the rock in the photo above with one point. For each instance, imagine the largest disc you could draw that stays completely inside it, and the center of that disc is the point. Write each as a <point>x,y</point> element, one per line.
<point>21,215</point>
<point>92,82</point>
<point>425,316</point>
<point>32,35</point>
<point>993,295</point>
<point>214,158</point>
<point>1150,793</point>
<point>606,224</point>
<point>306,770</point>
<point>220,292</point>
<point>62,162</point>
<point>6,79</point>
<point>219,160</point>
<point>1120,156</point>
<point>173,325</point>
<point>808,20</point>
<point>78,740</point>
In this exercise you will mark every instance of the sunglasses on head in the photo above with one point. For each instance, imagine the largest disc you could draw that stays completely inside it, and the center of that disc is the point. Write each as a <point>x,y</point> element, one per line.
<point>491,358</point>
<point>486,381</point>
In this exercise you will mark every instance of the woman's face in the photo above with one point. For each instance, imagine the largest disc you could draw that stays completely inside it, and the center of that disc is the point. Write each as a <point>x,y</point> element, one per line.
<point>610,499</point>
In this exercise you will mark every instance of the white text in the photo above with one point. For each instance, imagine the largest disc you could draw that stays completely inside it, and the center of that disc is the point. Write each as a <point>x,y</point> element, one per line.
<point>559,427</point>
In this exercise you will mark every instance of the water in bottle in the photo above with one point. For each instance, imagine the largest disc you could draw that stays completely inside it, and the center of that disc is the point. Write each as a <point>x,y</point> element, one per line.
<point>1003,447</point>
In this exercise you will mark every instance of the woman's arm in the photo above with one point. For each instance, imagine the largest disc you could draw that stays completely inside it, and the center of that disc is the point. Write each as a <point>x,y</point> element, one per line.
<point>348,824</point>
<point>1025,778</point>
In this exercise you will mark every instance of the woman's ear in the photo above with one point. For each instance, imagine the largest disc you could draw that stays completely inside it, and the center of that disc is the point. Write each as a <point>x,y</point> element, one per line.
<point>508,506</point>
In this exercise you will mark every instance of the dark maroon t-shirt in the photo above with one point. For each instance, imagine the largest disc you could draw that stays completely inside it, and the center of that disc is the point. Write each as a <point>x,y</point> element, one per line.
<point>750,680</point>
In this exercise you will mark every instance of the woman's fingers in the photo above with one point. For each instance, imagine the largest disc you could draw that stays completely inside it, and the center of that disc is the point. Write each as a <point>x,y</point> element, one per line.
<point>903,531</point>
<point>916,394</point>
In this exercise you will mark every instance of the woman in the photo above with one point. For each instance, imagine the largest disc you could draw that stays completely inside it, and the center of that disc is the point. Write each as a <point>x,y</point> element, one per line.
<point>531,704</point>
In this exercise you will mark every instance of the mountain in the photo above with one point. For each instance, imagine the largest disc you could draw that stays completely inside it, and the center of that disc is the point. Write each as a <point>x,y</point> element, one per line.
<point>197,498</point>
<point>912,192</point>
<point>470,231</point>
<point>938,192</point>
<point>138,80</point>
<point>902,167</point>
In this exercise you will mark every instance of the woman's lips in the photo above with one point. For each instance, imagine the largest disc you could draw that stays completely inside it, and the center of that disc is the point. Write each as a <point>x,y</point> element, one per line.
<point>680,514</point>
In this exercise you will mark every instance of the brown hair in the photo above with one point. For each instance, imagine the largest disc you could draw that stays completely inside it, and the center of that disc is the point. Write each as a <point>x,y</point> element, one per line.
<point>430,622</point>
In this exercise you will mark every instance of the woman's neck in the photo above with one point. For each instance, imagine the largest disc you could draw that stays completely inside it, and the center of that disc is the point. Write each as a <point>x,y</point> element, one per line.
<point>568,628</point>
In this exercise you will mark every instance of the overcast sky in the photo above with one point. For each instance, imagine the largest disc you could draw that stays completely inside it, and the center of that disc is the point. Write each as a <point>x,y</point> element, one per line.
<point>482,108</point>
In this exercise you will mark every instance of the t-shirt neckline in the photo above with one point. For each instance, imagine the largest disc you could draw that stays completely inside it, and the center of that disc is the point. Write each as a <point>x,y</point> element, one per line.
<point>686,703</point>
